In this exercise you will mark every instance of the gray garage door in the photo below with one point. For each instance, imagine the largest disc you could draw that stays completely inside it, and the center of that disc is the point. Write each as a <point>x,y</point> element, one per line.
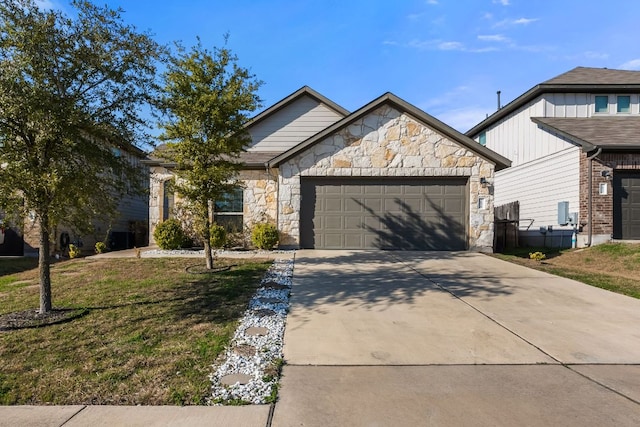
<point>626,205</point>
<point>390,213</point>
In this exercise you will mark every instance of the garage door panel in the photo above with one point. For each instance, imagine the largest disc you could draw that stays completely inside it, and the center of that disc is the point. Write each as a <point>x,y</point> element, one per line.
<point>393,190</point>
<point>353,223</point>
<point>412,205</point>
<point>398,213</point>
<point>333,205</point>
<point>352,189</point>
<point>353,240</point>
<point>373,204</point>
<point>333,241</point>
<point>352,205</point>
<point>333,222</point>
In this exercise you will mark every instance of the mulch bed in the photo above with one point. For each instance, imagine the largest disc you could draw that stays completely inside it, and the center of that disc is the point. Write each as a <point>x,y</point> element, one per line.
<point>33,319</point>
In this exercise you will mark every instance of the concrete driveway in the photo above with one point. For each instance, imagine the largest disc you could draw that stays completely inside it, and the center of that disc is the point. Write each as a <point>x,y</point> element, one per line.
<point>424,338</point>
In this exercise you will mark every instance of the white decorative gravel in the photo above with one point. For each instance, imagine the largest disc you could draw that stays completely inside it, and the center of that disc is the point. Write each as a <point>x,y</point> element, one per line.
<point>200,252</point>
<point>269,346</point>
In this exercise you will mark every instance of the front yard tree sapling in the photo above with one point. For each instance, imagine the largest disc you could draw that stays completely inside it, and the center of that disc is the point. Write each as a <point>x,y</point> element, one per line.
<point>206,99</point>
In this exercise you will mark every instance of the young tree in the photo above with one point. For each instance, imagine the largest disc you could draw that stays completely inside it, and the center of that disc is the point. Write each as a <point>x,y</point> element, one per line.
<point>70,89</point>
<point>207,96</point>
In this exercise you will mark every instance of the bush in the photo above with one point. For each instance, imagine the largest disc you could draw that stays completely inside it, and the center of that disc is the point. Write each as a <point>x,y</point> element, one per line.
<point>101,247</point>
<point>74,251</point>
<point>538,256</point>
<point>169,234</point>
<point>218,236</point>
<point>264,236</point>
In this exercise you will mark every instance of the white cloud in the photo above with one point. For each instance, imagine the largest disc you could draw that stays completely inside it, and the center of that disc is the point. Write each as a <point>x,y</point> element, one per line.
<point>487,15</point>
<point>512,22</point>
<point>432,1</point>
<point>524,21</point>
<point>451,46</point>
<point>502,2</point>
<point>493,38</point>
<point>633,64</point>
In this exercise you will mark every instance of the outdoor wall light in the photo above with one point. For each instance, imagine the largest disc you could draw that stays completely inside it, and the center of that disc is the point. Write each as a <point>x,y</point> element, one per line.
<point>483,181</point>
<point>606,174</point>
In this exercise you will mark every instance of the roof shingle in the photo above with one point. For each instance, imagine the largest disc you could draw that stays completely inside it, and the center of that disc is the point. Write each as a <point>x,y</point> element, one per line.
<point>595,76</point>
<point>609,132</point>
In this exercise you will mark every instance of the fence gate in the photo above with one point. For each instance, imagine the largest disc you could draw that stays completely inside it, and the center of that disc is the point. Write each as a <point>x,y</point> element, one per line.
<point>506,224</point>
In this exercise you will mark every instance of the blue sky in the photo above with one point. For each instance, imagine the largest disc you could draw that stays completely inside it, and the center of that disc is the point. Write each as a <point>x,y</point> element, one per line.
<point>448,57</point>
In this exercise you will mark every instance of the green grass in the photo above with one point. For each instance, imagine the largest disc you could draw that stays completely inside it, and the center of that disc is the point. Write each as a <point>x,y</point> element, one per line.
<point>613,266</point>
<point>148,331</point>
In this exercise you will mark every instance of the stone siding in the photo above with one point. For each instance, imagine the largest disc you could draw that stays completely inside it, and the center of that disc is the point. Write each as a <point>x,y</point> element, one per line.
<point>260,196</point>
<point>158,177</point>
<point>387,142</point>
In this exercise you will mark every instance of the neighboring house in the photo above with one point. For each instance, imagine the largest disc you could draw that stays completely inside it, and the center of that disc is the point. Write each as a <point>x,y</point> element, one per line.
<point>129,229</point>
<point>574,138</point>
<point>386,176</point>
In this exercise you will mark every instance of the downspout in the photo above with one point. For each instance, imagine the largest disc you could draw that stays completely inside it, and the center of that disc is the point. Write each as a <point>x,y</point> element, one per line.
<point>590,195</point>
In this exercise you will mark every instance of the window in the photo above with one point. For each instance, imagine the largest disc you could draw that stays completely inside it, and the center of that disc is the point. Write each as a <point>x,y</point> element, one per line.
<point>482,203</point>
<point>624,104</point>
<point>602,189</point>
<point>227,211</point>
<point>482,139</point>
<point>602,104</point>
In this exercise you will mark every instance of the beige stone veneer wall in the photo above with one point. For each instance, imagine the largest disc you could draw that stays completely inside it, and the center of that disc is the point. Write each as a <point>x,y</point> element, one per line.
<point>260,196</point>
<point>387,143</point>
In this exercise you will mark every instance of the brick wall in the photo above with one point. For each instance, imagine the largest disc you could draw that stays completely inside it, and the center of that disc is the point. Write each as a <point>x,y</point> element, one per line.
<point>602,204</point>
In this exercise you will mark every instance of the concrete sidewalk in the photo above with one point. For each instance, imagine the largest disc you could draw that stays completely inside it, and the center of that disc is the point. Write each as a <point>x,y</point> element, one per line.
<point>399,338</point>
<point>134,416</point>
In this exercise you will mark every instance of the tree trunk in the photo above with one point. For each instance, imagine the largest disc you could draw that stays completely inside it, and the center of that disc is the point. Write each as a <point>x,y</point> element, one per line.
<point>207,243</point>
<point>44,264</point>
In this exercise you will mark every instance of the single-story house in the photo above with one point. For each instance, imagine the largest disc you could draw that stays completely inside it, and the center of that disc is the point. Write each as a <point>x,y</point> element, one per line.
<point>576,139</point>
<point>386,176</point>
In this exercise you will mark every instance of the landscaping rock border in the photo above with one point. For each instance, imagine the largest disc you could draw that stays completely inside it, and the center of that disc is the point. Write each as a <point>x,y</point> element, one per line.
<point>267,309</point>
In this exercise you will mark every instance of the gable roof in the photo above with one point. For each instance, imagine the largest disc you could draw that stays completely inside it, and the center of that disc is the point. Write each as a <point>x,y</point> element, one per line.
<point>250,159</point>
<point>577,80</point>
<point>609,133</point>
<point>403,106</point>
<point>303,91</point>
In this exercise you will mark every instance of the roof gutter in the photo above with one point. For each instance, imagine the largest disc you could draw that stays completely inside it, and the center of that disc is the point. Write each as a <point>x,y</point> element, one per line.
<point>590,196</point>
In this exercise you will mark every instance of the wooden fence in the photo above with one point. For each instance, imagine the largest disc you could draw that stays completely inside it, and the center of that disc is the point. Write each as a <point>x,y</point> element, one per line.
<point>506,224</point>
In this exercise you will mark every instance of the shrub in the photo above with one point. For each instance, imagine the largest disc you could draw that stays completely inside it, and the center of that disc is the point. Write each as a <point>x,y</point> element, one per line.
<point>264,236</point>
<point>74,251</point>
<point>169,234</point>
<point>538,256</point>
<point>101,247</point>
<point>218,236</point>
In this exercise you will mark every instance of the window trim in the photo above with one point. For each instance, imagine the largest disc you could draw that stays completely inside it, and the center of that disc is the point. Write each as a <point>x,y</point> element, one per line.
<point>595,104</point>
<point>618,104</point>
<point>482,139</point>
<point>239,193</point>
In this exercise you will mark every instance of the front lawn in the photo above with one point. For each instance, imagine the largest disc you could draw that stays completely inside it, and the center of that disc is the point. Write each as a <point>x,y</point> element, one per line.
<point>136,332</point>
<point>612,266</point>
